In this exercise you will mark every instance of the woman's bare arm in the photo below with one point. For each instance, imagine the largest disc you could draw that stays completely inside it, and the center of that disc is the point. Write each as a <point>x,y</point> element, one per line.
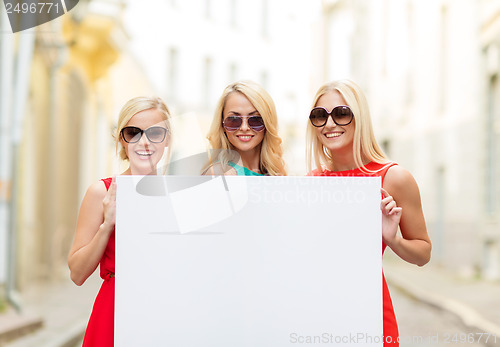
<point>96,222</point>
<point>415,245</point>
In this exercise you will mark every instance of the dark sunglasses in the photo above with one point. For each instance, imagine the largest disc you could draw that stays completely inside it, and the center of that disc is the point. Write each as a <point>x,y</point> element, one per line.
<point>134,134</point>
<point>341,115</point>
<point>233,123</point>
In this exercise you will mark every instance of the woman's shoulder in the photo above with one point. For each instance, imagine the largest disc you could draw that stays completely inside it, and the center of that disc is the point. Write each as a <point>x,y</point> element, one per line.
<point>398,177</point>
<point>98,189</point>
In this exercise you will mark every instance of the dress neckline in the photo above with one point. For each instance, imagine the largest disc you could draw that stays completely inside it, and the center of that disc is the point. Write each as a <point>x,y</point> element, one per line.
<point>243,171</point>
<point>367,166</point>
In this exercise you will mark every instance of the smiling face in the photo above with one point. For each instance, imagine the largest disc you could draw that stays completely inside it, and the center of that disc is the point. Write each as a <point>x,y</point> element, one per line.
<point>144,155</point>
<point>338,139</point>
<point>245,140</point>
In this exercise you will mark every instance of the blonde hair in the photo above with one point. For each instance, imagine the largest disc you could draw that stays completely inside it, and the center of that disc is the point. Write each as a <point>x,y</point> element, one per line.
<point>365,145</point>
<point>134,106</point>
<point>271,161</point>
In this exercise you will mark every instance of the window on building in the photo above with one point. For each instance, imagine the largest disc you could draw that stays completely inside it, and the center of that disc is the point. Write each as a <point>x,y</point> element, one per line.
<point>411,53</point>
<point>207,81</point>
<point>386,147</point>
<point>208,9</point>
<point>385,35</point>
<point>439,222</point>
<point>173,68</point>
<point>233,72</point>
<point>265,18</point>
<point>491,151</point>
<point>233,13</point>
<point>264,79</point>
<point>443,58</point>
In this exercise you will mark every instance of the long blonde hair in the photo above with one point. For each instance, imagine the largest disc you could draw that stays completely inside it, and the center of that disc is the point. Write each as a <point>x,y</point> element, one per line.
<point>271,161</point>
<point>134,106</point>
<point>364,143</point>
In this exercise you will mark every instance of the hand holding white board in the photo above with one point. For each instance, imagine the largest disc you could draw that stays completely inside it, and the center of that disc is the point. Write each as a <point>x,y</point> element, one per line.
<point>248,261</point>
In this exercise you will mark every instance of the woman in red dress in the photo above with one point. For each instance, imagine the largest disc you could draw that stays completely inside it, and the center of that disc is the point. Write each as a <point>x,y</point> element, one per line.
<point>341,143</point>
<point>142,136</point>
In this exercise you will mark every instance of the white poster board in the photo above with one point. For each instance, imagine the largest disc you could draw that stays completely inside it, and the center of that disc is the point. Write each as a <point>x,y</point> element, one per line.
<point>248,261</point>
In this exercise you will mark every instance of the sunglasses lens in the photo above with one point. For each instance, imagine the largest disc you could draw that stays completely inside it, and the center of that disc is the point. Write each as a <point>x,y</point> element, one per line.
<point>232,123</point>
<point>256,123</point>
<point>342,115</point>
<point>156,134</point>
<point>318,117</point>
<point>131,134</point>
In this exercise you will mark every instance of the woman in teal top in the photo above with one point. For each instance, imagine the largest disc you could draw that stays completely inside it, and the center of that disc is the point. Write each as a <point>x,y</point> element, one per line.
<point>243,171</point>
<point>244,133</point>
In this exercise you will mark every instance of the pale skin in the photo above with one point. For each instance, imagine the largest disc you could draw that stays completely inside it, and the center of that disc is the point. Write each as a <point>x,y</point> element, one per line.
<point>96,219</point>
<point>246,141</point>
<point>413,243</point>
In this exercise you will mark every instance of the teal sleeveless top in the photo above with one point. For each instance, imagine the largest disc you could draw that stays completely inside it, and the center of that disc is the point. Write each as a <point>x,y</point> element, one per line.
<point>243,171</point>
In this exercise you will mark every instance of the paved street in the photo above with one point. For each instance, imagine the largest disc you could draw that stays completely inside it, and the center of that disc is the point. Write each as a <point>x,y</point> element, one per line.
<point>421,324</point>
<point>431,307</point>
<point>65,309</point>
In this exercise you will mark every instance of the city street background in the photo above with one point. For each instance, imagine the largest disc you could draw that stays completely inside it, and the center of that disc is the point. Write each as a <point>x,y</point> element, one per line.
<point>430,70</point>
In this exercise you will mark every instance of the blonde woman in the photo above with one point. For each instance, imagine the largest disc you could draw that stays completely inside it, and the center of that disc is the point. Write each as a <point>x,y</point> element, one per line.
<point>142,135</point>
<point>244,133</point>
<point>341,142</point>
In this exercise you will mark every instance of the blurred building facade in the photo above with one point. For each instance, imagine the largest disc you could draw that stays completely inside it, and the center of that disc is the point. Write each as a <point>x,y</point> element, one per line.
<point>82,67</point>
<point>192,49</point>
<point>62,142</point>
<point>61,151</point>
<point>430,69</point>
<point>490,56</point>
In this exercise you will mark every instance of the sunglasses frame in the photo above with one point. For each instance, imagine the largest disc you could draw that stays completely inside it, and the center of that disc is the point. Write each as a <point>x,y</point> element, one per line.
<point>231,129</point>
<point>142,132</point>
<point>330,114</point>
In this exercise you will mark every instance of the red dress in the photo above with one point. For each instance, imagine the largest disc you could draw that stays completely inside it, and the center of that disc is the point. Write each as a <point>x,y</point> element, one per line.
<point>101,328</point>
<point>391,332</point>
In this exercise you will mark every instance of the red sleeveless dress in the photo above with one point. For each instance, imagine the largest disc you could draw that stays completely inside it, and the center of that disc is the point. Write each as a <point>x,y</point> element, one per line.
<point>391,332</point>
<point>101,327</point>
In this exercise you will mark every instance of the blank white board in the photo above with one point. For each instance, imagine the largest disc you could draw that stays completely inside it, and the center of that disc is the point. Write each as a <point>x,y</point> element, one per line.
<point>248,261</point>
